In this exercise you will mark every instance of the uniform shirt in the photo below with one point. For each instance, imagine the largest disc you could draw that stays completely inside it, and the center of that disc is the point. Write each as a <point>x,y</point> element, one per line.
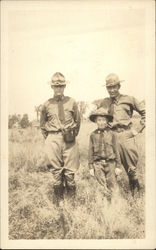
<point>103,145</point>
<point>49,120</point>
<point>122,108</point>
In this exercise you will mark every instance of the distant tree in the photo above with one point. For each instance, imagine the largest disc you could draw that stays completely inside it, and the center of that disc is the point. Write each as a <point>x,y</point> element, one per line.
<point>97,102</point>
<point>82,108</point>
<point>90,107</point>
<point>25,121</point>
<point>19,117</point>
<point>38,111</point>
<point>12,120</point>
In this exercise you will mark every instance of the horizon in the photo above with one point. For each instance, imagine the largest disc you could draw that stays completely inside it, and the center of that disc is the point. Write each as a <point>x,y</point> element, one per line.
<point>32,117</point>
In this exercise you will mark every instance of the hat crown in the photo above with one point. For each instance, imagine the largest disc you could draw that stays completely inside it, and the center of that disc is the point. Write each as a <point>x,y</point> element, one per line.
<point>100,112</point>
<point>112,79</point>
<point>58,77</point>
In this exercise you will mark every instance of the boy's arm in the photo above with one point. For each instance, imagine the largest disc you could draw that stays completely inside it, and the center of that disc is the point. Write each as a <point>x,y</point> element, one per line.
<point>43,119</point>
<point>116,151</point>
<point>90,153</point>
<point>77,118</point>
<point>140,108</point>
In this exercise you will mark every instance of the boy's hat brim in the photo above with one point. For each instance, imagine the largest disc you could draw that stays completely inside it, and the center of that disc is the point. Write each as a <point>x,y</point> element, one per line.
<point>100,112</point>
<point>93,117</point>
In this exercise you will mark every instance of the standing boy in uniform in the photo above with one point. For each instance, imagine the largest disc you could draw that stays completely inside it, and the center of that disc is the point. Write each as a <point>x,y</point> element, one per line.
<point>60,123</point>
<point>104,160</point>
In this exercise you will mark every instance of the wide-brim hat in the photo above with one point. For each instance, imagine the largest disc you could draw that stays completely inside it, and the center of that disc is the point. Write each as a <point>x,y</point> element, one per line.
<point>58,79</point>
<point>112,80</point>
<point>100,112</point>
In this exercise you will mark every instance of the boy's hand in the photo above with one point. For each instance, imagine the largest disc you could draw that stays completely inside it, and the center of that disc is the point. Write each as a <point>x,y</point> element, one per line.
<point>91,171</point>
<point>118,172</point>
<point>134,132</point>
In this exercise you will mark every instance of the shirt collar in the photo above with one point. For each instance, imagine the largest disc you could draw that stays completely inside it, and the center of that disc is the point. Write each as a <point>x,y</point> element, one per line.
<point>102,130</point>
<point>58,98</point>
<point>116,99</point>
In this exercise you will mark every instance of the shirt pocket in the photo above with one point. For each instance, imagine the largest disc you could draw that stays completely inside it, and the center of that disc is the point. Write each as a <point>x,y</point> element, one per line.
<point>68,113</point>
<point>51,114</point>
<point>96,148</point>
<point>109,149</point>
<point>123,110</point>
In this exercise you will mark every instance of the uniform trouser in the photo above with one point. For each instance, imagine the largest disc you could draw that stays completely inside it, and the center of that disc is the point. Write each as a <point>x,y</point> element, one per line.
<point>105,175</point>
<point>64,159</point>
<point>128,153</point>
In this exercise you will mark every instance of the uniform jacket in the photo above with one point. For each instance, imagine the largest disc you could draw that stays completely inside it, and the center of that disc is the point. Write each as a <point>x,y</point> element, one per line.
<point>122,109</point>
<point>49,120</point>
<point>103,145</point>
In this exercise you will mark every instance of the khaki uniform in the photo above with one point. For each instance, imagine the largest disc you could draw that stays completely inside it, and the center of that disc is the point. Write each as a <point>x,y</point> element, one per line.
<point>104,158</point>
<point>64,158</point>
<point>58,113</point>
<point>105,175</point>
<point>122,108</point>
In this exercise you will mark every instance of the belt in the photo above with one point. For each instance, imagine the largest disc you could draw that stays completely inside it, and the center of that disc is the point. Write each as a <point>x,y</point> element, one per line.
<point>105,160</point>
<point>55,132</point>
<point>121,129</point>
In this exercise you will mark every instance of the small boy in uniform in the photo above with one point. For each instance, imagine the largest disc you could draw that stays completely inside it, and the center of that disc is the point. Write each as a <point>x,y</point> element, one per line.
<point>104,159</point>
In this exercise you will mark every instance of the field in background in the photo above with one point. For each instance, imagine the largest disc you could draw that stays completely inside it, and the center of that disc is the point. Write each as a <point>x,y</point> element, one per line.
<point>32,214</point>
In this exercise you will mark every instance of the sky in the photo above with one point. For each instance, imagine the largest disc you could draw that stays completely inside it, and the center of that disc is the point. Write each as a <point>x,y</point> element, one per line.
<point>83,40</point>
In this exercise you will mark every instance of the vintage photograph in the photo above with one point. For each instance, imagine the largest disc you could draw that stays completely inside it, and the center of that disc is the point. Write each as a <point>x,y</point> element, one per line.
<point>76,85</point>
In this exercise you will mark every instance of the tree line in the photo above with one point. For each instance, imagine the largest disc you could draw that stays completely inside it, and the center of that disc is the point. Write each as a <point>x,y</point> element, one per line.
<point>18,121</point>
<point>23,121</point>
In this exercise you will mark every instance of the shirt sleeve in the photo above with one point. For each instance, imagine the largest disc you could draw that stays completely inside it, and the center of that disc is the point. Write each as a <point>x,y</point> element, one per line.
<point>140,108</point>
<point>77,118</point>
<point>116,151</point>
<point>90,153</point>
<point>43,119</point>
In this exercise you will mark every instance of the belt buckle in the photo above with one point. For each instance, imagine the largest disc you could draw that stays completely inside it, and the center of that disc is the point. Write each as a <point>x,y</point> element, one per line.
<point>55,132</point>
<point>119,130</point>
<point>104,162</point>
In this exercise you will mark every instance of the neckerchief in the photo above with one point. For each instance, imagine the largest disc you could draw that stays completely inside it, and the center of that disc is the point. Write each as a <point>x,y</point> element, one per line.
<point>102,144</point>
<point>61,114</point>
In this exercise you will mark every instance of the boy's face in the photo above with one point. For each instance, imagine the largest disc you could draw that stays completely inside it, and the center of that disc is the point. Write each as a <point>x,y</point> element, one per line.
<point>101,122</point>
<point>58,90</point>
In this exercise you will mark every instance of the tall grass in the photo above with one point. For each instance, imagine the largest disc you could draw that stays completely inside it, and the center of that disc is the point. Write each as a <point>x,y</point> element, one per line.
<point>32,213</point>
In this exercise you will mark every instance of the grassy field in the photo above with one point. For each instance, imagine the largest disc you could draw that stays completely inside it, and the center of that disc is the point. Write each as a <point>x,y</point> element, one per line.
<point>32,214</point>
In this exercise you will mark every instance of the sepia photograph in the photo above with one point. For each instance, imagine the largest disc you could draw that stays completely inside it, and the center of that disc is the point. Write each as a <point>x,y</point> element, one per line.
<point>78,124</point>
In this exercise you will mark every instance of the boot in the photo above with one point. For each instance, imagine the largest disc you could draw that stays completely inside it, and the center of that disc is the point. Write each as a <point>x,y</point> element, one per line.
<point>107,193</point>
<point>137,188</point>
<point>58,193</point>
<point>71,193</point>
<point>134,186</point>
